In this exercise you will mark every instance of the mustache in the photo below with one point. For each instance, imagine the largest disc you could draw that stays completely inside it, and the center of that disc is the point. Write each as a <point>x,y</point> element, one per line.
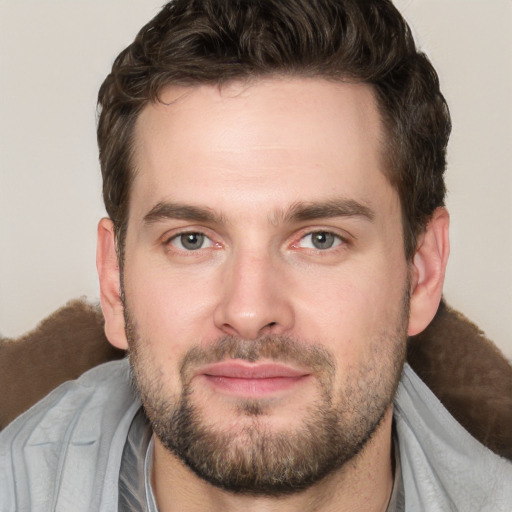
<point>282,349</point>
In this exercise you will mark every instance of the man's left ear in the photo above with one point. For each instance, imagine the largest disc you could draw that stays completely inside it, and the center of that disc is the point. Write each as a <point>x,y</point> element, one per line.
<point>427,271</point>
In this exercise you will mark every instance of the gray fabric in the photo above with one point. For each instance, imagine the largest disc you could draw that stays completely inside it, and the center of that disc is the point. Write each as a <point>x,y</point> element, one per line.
<point>444,468</point>
<point>65,453</point>
<point>135,490</point>
<point>150,500</point>
<point>132,486</point>
<point>397,499</point>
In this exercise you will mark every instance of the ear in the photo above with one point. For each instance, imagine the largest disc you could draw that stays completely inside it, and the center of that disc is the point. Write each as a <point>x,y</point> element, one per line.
<point>110,285</point>
<point>427,271</point>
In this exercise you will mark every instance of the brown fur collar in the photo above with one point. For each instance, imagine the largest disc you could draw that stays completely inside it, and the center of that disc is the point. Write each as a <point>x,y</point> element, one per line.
<point>463,368</point>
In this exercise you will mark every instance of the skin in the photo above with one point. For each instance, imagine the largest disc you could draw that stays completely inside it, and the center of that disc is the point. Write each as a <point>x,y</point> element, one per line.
<point>249,154</point>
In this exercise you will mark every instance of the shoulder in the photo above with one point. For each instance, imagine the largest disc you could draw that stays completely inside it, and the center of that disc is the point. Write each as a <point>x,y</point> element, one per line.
<point>443,465</point>
<point>64,447</point>
<point>107,384</point>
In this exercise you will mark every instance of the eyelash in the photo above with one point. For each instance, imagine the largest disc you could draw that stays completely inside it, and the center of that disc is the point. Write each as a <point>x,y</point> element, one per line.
<point>169,241</point>
<point>340,242</point>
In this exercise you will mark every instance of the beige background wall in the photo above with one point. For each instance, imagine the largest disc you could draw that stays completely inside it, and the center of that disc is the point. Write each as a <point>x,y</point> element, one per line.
<point>53,57</point>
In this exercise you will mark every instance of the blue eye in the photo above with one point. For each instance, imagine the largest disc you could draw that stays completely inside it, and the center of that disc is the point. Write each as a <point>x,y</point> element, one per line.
<point>191,241</point>
<point>320,240</point>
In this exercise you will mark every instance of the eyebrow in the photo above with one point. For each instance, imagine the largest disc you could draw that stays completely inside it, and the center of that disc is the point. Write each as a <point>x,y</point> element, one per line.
<point>297,212</point>
<point>303,211</point>
<point>167,210</point>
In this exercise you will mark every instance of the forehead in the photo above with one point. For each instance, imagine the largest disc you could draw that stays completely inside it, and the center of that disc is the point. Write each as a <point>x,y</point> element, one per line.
<point>250,142</point>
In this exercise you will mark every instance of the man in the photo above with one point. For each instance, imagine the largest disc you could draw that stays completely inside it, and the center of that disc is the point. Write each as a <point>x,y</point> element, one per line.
<point>273,175</point>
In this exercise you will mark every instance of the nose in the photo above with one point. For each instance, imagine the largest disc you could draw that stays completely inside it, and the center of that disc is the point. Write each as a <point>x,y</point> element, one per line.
<point>254,299</point>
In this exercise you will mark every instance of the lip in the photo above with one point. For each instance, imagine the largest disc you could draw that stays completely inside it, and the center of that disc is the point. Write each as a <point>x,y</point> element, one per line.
<point>241,378</point>
<point>245,370</point>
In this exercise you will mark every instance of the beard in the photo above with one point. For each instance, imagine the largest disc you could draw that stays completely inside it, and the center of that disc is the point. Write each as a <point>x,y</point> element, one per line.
<point>251,457</point>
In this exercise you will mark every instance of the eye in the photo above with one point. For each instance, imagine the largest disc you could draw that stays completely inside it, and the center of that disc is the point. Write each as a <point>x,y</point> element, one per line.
<point>191,241</point>
<point>320,240</point>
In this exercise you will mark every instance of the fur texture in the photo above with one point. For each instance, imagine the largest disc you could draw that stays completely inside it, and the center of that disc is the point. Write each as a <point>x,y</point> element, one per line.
<point>463,368</point>
<point>470,376</point>
<point>63,346</point>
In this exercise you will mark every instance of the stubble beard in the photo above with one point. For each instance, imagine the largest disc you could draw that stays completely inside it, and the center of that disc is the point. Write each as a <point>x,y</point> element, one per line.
<point>254,459</point>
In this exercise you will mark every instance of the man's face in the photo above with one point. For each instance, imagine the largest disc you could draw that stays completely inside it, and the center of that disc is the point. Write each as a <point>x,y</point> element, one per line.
<point>266,288</point>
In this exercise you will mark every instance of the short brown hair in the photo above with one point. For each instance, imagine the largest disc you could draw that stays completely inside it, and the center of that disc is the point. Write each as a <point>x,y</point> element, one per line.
<point>215,41</point>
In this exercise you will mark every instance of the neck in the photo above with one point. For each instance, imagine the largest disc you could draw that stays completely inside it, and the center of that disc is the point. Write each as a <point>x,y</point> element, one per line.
<point>362,484</point>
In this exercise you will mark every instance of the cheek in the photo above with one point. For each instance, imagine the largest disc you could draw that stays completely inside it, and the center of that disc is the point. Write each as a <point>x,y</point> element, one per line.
<point>349,310</point>
<point>173,310</point>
